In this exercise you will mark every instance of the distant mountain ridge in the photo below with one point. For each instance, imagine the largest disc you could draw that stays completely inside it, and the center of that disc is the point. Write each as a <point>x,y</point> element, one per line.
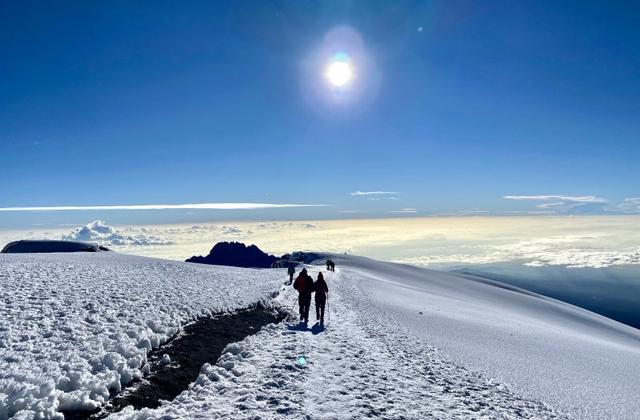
<point>235,254</point>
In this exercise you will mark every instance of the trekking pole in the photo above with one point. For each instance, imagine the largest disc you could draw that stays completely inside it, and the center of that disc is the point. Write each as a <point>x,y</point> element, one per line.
<point>328,308</point>
<point>294,304</point>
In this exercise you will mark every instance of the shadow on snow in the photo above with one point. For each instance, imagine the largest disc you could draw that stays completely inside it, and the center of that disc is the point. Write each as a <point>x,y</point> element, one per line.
<point>302,327</point>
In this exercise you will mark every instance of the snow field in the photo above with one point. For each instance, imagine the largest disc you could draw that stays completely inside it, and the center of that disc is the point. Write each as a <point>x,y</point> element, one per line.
<point>363,365</point>
<point>75,328</point>
<point>401,342</point>
<point>580,363</point>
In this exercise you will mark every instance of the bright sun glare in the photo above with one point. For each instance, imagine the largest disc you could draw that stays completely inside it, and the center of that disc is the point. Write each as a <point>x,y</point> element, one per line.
<point>339,72</point>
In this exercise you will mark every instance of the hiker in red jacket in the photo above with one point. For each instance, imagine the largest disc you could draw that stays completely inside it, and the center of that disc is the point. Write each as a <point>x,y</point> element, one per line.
<point>304,286</point>
<point>321,289</point>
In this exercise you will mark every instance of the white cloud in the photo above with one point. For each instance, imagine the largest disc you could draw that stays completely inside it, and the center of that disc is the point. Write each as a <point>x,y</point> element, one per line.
<point>199,206</point>
<point>98,231</point>
<point>278,226</point>
<point>468,213</point>
<point>555,204</point>
<point>403,211</point>
<point>562,203</point>
<point>568,251</point>
<point>232,230</point>
<point>558,198</point>
<point>630,205</point>
<point>441,242</point>
<point>357,193</point>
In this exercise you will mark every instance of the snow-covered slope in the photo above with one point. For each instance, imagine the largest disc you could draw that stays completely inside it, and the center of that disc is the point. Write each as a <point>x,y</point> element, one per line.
<point>75,326</point>
<point>401,342</point>
<point>579,362</point>
<point>501,353</point>
<point>362,366</point>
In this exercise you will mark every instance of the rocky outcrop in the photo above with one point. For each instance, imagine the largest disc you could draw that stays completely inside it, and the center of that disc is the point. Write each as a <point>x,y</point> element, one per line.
<point>235,254</point>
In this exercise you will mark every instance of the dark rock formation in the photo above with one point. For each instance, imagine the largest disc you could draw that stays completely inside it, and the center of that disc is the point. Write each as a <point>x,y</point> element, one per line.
<point>302,257</point>
<point>46,246</point>
<point>236,254</point>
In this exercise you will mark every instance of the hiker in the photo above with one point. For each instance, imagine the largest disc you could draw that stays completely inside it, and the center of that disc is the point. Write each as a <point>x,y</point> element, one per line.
<point>304,286</point>
<point>291,271</point>
<point>328,264</point>
<point>321,289</point>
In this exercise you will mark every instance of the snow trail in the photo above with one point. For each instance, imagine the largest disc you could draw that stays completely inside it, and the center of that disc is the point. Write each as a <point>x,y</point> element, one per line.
<point>360,366</point>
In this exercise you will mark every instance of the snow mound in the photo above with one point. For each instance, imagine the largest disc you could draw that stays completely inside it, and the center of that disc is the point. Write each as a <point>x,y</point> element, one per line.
<point>98,231</point>
<point>75,328</point>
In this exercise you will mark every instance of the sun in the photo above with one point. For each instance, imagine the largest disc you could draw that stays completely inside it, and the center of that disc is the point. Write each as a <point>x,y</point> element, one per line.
<point>339,72</point>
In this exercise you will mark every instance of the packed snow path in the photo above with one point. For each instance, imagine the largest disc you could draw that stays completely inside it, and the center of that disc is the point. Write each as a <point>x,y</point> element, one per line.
<point>362,365</point>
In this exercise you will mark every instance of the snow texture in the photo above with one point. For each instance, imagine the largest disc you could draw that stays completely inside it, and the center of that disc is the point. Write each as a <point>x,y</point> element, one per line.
<point>517,355</point>
<point>401,342</point>
<point>75,328</point>
<point>581,363</point>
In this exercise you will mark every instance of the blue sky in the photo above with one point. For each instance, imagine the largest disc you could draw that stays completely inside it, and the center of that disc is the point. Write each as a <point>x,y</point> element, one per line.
<point>454,106</point>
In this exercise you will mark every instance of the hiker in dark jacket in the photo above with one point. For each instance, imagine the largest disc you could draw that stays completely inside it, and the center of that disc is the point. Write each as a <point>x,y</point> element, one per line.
<point>331,266</point>
<point>291,271</point>
<point>304,286</point>
<point>321,289</point>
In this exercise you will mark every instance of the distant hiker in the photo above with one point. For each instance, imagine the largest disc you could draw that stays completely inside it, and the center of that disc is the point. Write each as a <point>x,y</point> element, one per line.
<point>304,286</point>
<point>291,271</point>
<point>331,266</point>
<point>321,289</point>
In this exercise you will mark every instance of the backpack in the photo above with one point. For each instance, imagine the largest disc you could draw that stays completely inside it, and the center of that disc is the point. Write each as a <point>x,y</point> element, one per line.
<point>299,284</point>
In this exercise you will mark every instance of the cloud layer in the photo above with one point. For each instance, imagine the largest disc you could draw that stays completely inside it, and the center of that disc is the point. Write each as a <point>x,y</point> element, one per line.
<point>568,198</point>
<point>98,231</point>
<point>199,206</point>
<point>405,210</point>
<point>630,205</point>
<point>358,193</point>
<point>564,203</point>
<point>440,242</point>
<point>567,251</point>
